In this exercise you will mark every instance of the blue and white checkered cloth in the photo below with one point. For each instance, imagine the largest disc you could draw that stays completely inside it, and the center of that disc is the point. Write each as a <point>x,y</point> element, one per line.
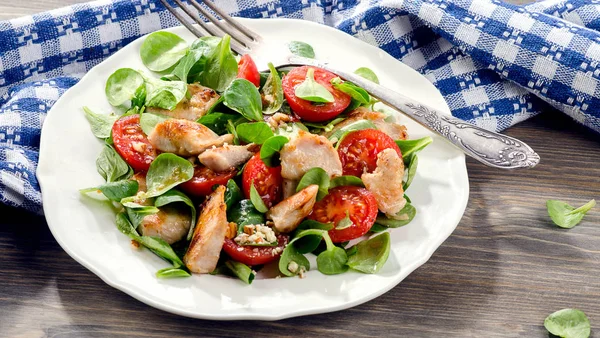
<point>496,64</point>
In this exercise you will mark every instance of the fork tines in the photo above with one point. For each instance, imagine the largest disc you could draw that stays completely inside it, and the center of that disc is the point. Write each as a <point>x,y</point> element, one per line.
<point>242,38</point>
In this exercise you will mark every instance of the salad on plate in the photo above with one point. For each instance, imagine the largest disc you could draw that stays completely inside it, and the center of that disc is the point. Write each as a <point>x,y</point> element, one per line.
<point>219,168</point>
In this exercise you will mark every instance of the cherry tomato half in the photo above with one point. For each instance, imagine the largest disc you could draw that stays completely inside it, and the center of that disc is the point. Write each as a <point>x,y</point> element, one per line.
<point>132,144</point>
<point>204,180</point>
<point>311,111</point>
<point>255,255</point>
<point>247,70</point>
<point>356,202</point>
<point>358,150</point>
<point>267,180</point>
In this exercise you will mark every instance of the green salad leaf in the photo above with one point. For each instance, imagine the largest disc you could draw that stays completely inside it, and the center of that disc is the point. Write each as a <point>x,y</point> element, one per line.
<point>409,147</point>
<point>271,148</point>
<point>339,134</point>
<point>316,176</point>
<point>241,270</point>
<point>302,49</point>
<point>272,92</point>
<point>254,132</point>
<point>111,166</point>
<point>136,212</point>
<point>243,97</point>
<point>309,243</point>
<point>233,194</point>
<point>172,273</point>
<point>149,120</point>
<point>405,216</point>
<point>566,216</point>
<point>244,213</point>
<point>367,74</point>
<point>191,64</point>
<point>217,122</point>
<point>356,92</point>
<point>161,50</point>
<point>221,66</point>
<point>313,91</point>
<point>291,262</point>
<point>167,171</point>
<point>101,124</point>
<point>371,254</point>
<point>115,191</point>
<point>175,196</point>
<point>568,323</point>
<point>346,180</point>
<point>333,260</point>
<point>256,200</point>
<point>412,163</point>
<point>164,94</point>
<point>122,86</point>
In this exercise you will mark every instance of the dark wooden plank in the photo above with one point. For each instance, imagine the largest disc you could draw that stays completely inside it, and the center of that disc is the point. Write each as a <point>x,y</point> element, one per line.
<point>502,271</point>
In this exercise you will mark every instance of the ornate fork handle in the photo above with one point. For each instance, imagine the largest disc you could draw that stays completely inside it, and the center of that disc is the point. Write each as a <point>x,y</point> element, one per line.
<point>491,148</point>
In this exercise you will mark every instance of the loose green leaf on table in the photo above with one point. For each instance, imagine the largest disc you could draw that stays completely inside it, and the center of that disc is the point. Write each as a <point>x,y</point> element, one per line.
<point>568,323</point>
<point>149,120</point>
<point>270,148</point>
<point>316,176</point>
<point>313,91</point>
<point>167,171</point>
<point>371,254</point>
<point>172,273</point>
<point>254,132</point>
<point>566,216</point>
<point>101,124</point>
<point>367,74</point>
<point>243,97</point>
<point>164,94</point>
<point>115,191</point>
<point>122,86</point>
<point>111,166</point>
<point>272,92</point>
<point>161,50</point>
<point>175,196</point>
<point>302,49</point>
<point>256,200</point>
<point>241,270</point>
<point>221,66</point>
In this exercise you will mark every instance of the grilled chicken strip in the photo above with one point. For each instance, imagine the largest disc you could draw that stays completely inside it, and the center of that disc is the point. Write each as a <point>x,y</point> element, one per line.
<point>227,157</point>
<point>307,151</point>
<point>393,130</point>
<point>191,109</point>
<point>386,182</point>
<point>171,223</point>
<point>204,250</point>
<point>185,138</point>
<point>288,214</point>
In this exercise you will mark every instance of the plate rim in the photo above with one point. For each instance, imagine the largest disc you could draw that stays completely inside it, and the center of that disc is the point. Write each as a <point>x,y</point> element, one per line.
<point>396,279</point>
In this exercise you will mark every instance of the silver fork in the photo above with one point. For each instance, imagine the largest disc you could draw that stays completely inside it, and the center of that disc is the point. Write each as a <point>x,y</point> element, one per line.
<point>490,148</point>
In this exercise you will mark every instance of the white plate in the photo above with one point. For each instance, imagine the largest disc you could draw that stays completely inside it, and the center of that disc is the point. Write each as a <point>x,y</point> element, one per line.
<point>86,229</point>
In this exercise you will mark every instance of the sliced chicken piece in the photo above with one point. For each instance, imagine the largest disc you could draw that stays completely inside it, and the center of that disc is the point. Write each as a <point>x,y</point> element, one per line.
<point>289,187</point>
<point>288,214</point>
<point>171,223</point>
<point>307,151</point>
<point>386,182</point>
<point>185,138</point>
<point>204,250</point>
<point>393,130</point>
<point>202,98</point>
<point>227,157</point>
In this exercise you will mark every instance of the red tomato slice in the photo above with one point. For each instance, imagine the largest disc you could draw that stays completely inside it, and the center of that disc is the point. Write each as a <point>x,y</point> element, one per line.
<point>255,255</point>
<point>311,111</point>
<point>360,205</point>
<point>267,180</point>
<point>247,70</point>
<point>205,179</point>
<point>358,150</point>
<point>132,144</point>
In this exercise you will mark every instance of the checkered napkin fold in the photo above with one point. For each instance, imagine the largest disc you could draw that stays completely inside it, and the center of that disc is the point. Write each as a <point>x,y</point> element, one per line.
<point>496,64</point>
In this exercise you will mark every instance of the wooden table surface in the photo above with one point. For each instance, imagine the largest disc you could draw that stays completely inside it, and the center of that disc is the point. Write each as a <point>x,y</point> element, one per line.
<point>502,271</point>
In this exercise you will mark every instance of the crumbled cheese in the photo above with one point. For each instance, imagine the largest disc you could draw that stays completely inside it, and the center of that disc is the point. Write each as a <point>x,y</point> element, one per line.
<point>256,234</point>
<point>276,251</point>
<point>292,267</point>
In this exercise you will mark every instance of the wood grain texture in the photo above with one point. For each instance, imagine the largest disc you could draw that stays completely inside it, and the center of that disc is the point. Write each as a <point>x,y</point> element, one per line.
<point>504,269</point>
